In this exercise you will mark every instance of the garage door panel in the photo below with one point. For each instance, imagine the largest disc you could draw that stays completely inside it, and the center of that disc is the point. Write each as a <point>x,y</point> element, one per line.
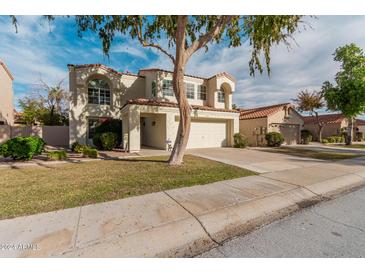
<point>290,133</point>
<point>205,133</point>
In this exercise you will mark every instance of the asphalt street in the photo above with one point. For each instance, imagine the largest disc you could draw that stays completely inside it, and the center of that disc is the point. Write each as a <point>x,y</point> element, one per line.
<point>335,228</point>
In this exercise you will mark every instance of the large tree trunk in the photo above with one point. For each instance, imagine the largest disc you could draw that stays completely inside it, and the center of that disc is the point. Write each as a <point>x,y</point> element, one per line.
<point>350,129</point>
<point>320,127</point>
<point>183,132</point>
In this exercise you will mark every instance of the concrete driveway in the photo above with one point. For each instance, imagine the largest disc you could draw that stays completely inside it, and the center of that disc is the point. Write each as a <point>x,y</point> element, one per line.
<point>254,160</point>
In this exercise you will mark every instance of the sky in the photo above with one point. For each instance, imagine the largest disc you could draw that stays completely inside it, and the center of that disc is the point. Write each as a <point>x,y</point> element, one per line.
<point>42,51</point>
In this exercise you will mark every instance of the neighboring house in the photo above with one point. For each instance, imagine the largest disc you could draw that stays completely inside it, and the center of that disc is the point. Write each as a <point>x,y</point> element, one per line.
<point>146,104</point>
<point>283,118</point>
<point>334,124</point>
<point>6,96</point>
<point>360,125</point>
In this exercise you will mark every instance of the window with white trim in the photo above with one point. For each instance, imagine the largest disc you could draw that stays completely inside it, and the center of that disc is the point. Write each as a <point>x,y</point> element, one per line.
<point>190,90</point>
<point>98,92</point>
<point>167,89</point>
<point>221,96</point>
<point>202,92</point>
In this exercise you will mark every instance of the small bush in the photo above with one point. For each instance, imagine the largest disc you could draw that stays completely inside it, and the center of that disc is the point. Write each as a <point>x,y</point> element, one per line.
<point>23,147</point>
<point>57,155</point>
<point>306,136</point>
<point>79,148</point>
<point>110,125</point>
<point>90,152</point>
<point>108,140</point>
<point>274,139</point>
<point>74,145</point>
<point>334,139</point>
<point>359,136</point>
<point>4,150</point>
<point>240,140</point>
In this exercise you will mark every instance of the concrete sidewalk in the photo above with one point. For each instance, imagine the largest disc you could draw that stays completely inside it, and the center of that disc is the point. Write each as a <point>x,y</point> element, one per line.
<point>179,222</point>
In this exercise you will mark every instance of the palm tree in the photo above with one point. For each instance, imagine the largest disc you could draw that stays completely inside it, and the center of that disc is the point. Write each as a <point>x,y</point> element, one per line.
<point>311,102</point>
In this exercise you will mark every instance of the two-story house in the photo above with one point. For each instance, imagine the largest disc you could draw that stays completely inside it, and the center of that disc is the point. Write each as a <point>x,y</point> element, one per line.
<point>6,96</point>
<point>146,104</point>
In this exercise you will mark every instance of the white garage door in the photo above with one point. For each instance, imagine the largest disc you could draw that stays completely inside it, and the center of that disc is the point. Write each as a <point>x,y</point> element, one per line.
<point>205,133</point>
<point>290,134</point>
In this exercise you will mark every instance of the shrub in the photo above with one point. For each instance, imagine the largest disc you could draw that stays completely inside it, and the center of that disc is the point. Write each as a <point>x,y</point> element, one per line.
<point>359,136</point>
<point>334,139</point>
<point>23,147</point>
<point>110,125</point>
<point>57,155</point>
<point>90,152</point>
<point>108,140</point>
<point>97,140</point>
<point>74,145</point>
<point>306,136</point>
<point>325,141</point>
<point>240,140</point>
<point>79,148</point>
<point>274,139</point>
<point>4,149</point>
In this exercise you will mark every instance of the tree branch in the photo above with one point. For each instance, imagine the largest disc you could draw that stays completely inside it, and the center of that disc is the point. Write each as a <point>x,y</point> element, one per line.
<point>207,37</point>
<point>144,43</point>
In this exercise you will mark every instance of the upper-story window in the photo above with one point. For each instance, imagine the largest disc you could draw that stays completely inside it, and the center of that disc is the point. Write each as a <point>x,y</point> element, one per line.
<point>202,92</point>
<point>221,96</point>
<point>190,90</point>
<point>167,89</point>
<point>154,89</point>
<point>98,92</point>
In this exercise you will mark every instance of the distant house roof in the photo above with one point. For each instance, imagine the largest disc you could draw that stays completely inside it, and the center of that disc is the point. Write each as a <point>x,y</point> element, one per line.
<point>103,67</point>
<point>360,122</point>
<point>325,118</point>
<point>6,69</point>
<point>159,103</point>
<point>261,112</point>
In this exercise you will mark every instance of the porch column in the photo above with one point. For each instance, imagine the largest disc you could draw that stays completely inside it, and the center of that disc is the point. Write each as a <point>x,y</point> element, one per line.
<point>134,128</point>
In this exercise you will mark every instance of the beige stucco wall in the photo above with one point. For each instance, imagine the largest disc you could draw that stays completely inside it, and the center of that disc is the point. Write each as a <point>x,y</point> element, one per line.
<point>153,130</point>
<point>251,129</point>
<point>131,123</point>
<point>123,88</point>
<point>6,97</point>
<point>328,129</point>
<point>126,87</point>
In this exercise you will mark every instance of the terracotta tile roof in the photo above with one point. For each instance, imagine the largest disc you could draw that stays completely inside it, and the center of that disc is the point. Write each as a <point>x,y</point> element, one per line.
<point>261,112</point>
<point>226,74</point>
<point>325,118</point>
<point>159,103</point>
<point>6,69</point>
<point>103,67</point>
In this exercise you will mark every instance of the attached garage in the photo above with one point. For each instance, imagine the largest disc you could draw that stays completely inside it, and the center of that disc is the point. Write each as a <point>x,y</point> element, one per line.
<point>206,133</point>
<point>283,118</point>
<point>290,132</point>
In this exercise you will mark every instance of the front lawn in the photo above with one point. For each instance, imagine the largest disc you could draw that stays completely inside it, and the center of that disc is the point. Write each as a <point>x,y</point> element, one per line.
<point>316,154</point>
<point>348,146</point>
<point>32,190</point>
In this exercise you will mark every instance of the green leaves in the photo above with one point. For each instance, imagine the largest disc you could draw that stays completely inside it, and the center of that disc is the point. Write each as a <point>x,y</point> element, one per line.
<point>348,95</point>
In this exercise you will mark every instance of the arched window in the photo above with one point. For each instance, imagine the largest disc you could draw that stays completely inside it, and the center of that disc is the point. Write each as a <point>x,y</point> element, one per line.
<point>221,95</point>
<point>98,92</point>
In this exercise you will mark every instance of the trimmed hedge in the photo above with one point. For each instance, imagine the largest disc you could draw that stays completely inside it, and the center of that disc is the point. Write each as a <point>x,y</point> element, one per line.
<point>22,148</point>
<point>274,139</point>
<point>240,140</point>
<point>333,139</point>
<point>108,140</point>
<point>57,155</point>
<point>90,152</point>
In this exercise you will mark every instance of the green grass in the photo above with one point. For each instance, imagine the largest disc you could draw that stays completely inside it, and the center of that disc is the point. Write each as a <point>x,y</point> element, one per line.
<point>308,153</point>
<point>348,146</point>
<point>32,190</point>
